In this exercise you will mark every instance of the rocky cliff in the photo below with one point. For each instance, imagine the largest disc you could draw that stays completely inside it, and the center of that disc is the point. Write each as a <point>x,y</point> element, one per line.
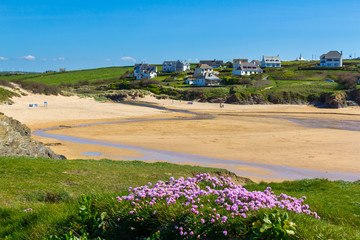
<point>15,140</point>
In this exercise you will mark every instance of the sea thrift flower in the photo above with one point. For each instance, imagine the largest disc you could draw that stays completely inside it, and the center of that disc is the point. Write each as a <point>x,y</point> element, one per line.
<point>208,197</point>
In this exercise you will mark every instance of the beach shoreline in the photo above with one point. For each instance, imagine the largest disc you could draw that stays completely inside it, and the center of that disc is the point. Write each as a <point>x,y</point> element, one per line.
<point>252,133</point>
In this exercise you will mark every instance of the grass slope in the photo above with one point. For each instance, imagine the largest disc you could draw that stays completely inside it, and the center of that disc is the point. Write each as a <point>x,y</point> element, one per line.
<point>53,187</point>
<point>90,75</point>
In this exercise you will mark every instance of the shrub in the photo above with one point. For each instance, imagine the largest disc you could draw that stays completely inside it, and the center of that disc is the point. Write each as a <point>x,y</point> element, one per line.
<point>39,88</point>
<point>6,83</point>
<point>203,207</point>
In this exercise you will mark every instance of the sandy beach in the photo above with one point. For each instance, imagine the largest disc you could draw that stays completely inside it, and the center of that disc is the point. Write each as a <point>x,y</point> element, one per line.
<point>261,134</point>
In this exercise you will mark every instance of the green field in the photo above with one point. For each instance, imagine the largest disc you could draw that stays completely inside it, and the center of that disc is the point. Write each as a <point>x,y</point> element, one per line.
<point>90,75</point>
<point>303,81</point>
<point>52,188</point>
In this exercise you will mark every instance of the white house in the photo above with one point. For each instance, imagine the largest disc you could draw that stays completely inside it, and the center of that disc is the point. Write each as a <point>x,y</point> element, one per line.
<point>147,75</point>
<point>206,79</point>
<point>144,70</point>
<point>175,66</point>
<point>213,63</point>
<point>331,59</point>
<point>202,69</point>
<point>247,69</point>
<point>270,62</point>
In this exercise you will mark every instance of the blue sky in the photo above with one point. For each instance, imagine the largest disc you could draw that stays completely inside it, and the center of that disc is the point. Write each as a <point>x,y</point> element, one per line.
<point>41,35</point>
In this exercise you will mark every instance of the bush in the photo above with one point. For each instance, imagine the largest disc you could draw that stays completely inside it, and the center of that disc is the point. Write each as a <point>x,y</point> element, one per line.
<point>38,88</point>
<point>349,80</point>
<point>203,207</point>
<point>6,83</point>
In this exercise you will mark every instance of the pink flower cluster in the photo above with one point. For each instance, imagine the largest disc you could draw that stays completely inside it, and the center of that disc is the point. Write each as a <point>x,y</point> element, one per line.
<point>200,194</point>
<point>29,210</point>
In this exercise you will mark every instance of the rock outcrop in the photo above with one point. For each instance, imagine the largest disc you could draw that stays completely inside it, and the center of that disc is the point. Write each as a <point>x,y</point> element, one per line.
<point>15,140</point>
<point>334,100</point>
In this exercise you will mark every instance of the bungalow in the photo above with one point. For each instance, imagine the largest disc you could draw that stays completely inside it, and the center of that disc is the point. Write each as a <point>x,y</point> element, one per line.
<point>206,79</point>
<point>202,69</point>
<point>247,69</point>
<point>270,62</point>
<point>175,66</point>
<point>213,63</point>
<point>144,70</point>
<point>331,59</point>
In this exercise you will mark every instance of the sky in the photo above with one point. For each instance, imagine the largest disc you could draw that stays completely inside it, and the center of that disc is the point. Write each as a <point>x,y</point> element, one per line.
<point>40,35</point>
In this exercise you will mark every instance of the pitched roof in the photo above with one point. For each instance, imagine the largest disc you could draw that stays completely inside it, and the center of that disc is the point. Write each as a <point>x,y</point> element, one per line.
<point>216,62</point>
<point>331,54</point>
<point>204,66</point>
<point>268,58</point>
<point>249,66</point>
<point>209,76</point>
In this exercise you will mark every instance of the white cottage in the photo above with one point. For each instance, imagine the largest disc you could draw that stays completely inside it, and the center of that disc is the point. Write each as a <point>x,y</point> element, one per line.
<point>206,79</point>
<point>202,69</point>
<point>175,66</point>
<point>270,62</point>
<point>144,70</point>
<point>247,69</point>
<point>331,59</point>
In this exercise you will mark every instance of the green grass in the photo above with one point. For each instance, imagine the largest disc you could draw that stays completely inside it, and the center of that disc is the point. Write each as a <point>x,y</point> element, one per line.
<point>6,95</point>
<point>337,202</point>
<point>90,75</point>
<point>53,187</point>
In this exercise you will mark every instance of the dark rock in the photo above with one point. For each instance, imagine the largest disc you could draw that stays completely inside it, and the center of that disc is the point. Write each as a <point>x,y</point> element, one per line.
<point>334,100</point>
<point>15,140</point>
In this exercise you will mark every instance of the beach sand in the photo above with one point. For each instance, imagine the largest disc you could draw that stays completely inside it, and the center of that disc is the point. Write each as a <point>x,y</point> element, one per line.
<point>248,133</point>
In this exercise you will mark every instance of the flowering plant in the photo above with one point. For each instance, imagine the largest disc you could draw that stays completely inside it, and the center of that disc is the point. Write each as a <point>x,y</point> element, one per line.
<point>202,207</point>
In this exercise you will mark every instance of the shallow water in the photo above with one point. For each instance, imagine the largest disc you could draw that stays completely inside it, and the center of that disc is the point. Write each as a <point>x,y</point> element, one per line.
<point>177,157</point>
<point>327,123</point>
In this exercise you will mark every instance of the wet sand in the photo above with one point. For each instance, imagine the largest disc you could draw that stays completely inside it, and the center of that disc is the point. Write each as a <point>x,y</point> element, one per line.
<point>254,134</point>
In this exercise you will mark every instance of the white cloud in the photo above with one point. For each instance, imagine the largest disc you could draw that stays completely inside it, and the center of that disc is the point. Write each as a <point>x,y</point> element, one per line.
<point>44,59</point>
<point>131,59</point>
<point>108,60</point>
<point>28,57</point>
<point>3,58</point>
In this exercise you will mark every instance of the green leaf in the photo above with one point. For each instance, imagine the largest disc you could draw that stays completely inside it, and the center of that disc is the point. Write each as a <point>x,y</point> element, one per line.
<point>264,227</point>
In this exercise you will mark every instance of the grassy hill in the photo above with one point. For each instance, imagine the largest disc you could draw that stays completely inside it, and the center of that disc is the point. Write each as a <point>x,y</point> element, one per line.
<point>50,191</point>
<point>294,82</point>
<point>57,78</point>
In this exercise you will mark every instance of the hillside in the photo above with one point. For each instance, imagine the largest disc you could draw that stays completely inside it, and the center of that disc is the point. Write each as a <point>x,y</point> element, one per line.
<point>49,191</point>
<point>294,83</point>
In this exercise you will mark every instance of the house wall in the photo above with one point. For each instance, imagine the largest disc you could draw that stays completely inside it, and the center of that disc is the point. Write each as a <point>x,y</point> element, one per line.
<point>199,71</point>
<point>242,73</point>
<point>332,62</point>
